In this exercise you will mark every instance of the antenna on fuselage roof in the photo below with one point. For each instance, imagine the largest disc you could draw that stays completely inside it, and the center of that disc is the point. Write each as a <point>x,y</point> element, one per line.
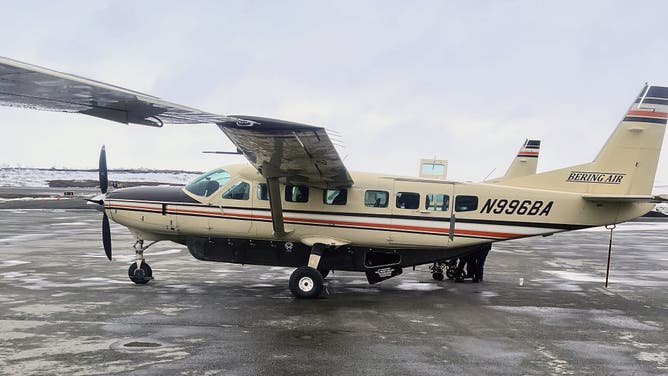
<point>490,173</point>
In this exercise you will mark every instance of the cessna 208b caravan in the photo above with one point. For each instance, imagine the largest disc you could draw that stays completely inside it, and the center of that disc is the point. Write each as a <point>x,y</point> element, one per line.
<point>297,205</point>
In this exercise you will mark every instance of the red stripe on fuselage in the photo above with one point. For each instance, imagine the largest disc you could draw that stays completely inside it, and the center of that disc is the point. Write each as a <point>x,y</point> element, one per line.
<point>306,221</point>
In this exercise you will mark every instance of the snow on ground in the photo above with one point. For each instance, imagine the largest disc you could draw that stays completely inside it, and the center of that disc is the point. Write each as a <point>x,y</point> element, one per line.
<point>28,177</point>
<point>662,208</point>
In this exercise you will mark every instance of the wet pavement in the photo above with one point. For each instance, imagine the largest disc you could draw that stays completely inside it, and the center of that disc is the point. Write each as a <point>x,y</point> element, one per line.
<point>542,309</point>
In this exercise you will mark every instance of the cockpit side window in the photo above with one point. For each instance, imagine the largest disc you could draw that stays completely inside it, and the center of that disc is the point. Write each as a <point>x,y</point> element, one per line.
<point>239,191</point>
<point>208,183</point>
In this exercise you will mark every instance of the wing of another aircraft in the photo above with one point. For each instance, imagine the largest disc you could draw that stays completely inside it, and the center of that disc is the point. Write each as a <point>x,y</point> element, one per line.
<point>34,87</point>
<point>525,163</point>
<point>301,154</point>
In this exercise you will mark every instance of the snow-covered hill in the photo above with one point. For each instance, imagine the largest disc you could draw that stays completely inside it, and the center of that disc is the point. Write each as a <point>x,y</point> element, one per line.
<point>32,177</point>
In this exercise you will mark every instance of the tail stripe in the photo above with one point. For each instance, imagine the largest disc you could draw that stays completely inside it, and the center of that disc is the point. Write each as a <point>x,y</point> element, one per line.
<point>647,116</point>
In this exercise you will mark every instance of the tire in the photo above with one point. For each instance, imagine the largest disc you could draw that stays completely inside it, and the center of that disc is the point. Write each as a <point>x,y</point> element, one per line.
<point>306,283</point>
<point>324,272</point>
<point>142,275</point>
<point>437,276</point>
<point>450,273</point>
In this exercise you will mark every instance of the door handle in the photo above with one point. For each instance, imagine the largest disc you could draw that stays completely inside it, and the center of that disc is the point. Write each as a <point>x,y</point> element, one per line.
<point>424,211</point>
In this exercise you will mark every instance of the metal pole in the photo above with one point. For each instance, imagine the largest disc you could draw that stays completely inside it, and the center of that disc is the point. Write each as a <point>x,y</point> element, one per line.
<point>607,272</point>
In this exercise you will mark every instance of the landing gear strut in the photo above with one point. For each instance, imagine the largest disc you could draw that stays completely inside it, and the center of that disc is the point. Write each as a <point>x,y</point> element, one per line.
<point>140,272</point>
<point>306,282</point>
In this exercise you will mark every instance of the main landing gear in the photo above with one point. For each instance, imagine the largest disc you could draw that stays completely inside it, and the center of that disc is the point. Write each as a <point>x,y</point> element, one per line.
<point>140,272</point>
<point>437,271</point>
<point>449,267</point>
<point>308,282</point>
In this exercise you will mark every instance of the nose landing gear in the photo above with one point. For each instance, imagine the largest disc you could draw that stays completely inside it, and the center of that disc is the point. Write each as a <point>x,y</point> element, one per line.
<point>140,272</point>
<point>140,275</point>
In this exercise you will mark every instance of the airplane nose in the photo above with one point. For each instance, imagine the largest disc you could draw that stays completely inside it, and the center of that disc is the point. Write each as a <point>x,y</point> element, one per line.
<point>97,202</point>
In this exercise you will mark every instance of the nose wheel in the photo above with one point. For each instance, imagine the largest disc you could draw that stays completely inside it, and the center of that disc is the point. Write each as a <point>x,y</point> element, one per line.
<point>140,275</point>
<point>140,272</point>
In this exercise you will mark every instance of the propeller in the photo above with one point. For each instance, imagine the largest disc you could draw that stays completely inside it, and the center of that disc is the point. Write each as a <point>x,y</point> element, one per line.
<point>104,185</point>
<point>106,236</point>
<point>102,171</point>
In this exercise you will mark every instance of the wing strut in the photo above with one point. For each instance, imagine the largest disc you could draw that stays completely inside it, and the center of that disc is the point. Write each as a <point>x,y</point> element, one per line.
<point>276,206</point>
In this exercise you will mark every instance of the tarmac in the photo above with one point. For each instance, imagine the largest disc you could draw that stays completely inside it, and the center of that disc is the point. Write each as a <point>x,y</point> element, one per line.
<point>541,309</point>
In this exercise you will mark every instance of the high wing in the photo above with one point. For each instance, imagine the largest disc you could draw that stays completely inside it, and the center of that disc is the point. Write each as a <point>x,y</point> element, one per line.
<point>303,154</point>
<point>298,153</point>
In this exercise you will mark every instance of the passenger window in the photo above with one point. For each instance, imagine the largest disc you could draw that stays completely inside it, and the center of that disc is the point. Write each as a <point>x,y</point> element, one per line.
<point>437,202</point>
<point>376,199</point>
<point>262,191</point>
<point>408,200</point>
<point>239,191</point>
<point>296,193</point>
<point>466,203</point>
<point>335,196</point>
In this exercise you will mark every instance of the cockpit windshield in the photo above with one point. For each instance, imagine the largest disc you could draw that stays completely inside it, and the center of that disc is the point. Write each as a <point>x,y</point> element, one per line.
<point>208,183</point>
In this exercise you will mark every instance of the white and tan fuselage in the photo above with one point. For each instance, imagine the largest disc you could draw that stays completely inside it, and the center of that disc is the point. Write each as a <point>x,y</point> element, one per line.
<point>502,213</point>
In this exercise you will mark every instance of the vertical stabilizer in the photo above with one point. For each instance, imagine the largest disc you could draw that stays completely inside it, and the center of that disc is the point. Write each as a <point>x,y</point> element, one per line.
<point>629,159</point>
<point>626,165</point>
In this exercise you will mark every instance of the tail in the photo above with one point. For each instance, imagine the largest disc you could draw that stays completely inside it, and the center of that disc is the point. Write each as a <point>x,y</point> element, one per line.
<point>626,165</point>
<point>524,164</point>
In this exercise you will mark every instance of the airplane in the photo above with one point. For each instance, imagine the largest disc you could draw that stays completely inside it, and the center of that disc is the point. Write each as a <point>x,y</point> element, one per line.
<point>296,205</point>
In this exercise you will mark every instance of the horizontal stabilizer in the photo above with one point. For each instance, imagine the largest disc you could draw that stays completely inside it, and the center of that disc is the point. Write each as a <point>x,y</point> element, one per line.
<point>624,198</point>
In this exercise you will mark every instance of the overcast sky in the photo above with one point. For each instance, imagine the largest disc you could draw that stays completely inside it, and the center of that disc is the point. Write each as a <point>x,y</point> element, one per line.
<point>463,81</point>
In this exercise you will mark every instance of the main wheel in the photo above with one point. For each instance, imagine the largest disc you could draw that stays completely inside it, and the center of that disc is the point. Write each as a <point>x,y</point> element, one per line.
<point>306,283</point>
<point>450,273</point>
<point>437,276</point>
<point>140,275</point>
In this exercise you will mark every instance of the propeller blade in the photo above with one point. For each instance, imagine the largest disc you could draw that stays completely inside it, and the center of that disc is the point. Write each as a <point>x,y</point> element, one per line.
<point>106,236</point>
<point>104,181</point>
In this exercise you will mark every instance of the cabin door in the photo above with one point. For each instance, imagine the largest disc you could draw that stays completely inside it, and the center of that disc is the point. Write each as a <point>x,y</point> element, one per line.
<point>421,213</point>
